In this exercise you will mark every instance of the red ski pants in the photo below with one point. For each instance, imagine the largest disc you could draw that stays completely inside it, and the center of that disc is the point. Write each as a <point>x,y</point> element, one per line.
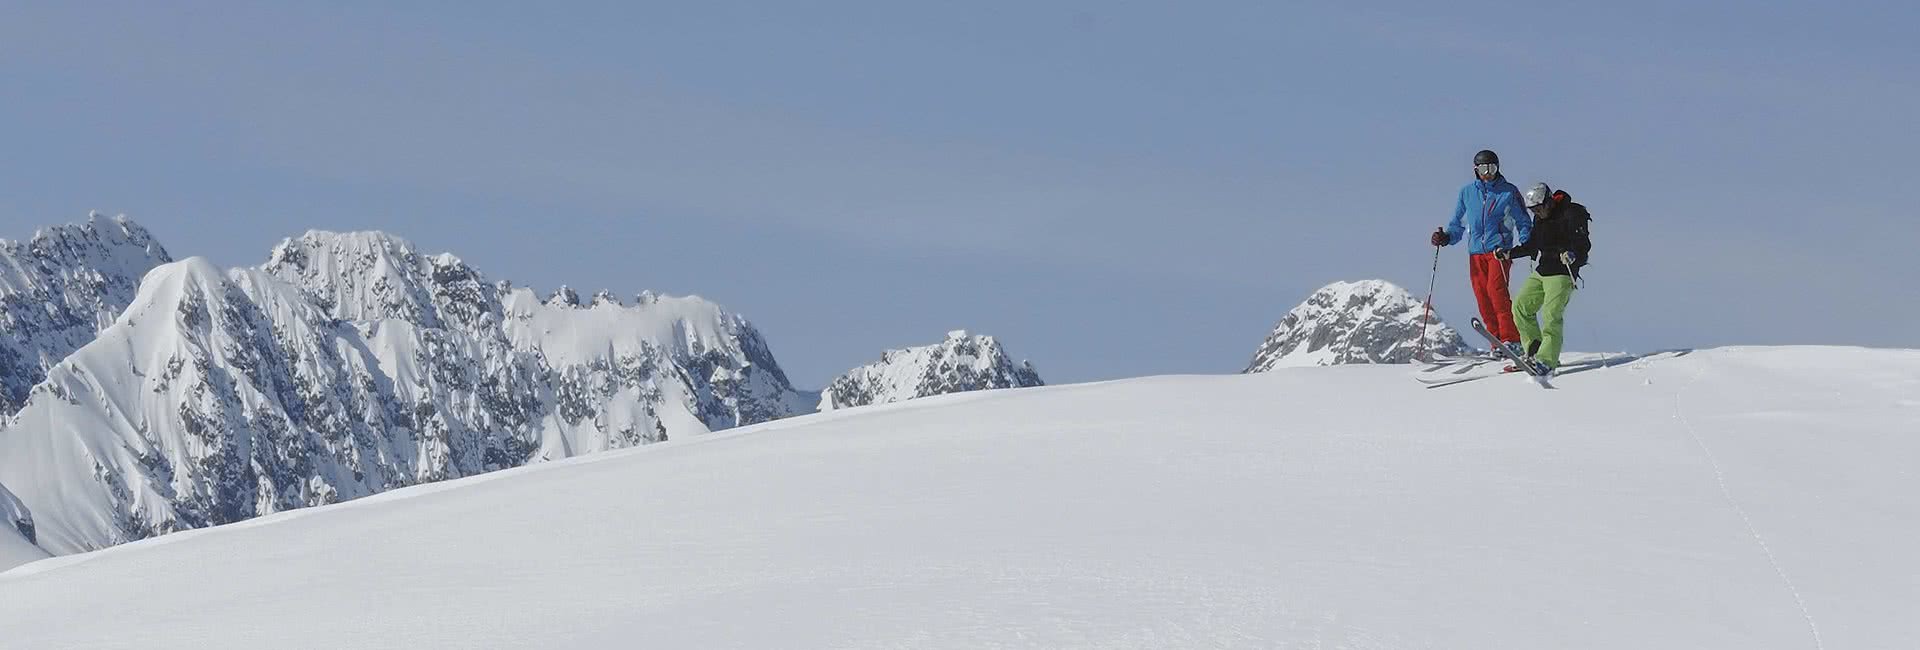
<point>1489,276</point>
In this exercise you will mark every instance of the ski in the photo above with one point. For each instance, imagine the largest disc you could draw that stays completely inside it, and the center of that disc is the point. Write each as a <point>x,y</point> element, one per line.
<point>1457,365</point>
<point>1454,369</point>
<point>1454,381</point>
<point>1461,378</point>
<point>1472,357</point>
<point>1510,351</point>
<point>1447,371</point>
<point>1454,364</point>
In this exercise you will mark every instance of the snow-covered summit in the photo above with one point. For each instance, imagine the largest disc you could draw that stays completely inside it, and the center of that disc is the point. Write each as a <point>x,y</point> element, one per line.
<point>720,363</point>
<point>1371,321</point>
<point>365,276</point>
<point>60,288</point>
<point>960,363</point>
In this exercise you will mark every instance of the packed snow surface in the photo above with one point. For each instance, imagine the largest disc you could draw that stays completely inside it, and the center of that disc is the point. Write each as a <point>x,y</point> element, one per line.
<point>1736,498</point>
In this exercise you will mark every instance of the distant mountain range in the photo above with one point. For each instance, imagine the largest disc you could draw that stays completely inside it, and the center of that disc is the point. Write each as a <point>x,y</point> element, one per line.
<point>145,395</point>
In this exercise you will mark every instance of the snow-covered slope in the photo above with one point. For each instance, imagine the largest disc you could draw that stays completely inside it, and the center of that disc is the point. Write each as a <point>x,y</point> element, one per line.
<point>349,365</point>
<point>958,364</point>
<point>1371,321</point>
<point>59,289</point>
<point>16,533</point>
<point>1754,498</point>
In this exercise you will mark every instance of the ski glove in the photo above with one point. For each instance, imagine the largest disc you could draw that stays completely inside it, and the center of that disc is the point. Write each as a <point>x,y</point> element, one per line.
<point>1502,254</point>
<point>1569,259</point>
<point>1439,237</point>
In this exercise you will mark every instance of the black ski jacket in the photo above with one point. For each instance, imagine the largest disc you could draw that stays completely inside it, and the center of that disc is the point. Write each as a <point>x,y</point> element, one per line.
<point>1563,229</point>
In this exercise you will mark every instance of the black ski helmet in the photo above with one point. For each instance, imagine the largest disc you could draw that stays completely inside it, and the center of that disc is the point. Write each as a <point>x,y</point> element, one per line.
<point>1486,156</point>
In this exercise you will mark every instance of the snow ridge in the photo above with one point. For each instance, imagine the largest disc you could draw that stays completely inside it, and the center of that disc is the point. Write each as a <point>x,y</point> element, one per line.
<point>1371,321</point>
<point>958,364</point>
<point>348,365</point>
<point>60,288</point>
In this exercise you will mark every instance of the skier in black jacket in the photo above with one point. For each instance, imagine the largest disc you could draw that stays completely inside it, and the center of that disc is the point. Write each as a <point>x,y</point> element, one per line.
<point>1560,241</point>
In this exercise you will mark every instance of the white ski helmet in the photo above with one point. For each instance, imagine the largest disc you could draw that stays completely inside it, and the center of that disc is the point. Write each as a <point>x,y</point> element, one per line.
<point>1536,195</point>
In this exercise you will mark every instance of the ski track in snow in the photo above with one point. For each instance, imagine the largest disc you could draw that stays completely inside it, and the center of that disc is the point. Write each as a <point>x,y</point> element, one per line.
<point>1720,476</point>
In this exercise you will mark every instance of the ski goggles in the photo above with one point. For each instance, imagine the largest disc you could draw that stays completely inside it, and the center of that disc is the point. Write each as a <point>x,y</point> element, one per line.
<point>1487,169</point>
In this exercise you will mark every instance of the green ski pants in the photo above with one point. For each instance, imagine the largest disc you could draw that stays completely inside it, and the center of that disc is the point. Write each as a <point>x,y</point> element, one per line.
<point>1552,292</point>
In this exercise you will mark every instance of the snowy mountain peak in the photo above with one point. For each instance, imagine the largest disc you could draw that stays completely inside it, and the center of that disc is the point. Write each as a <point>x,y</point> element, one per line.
<point>60,288</point>
<point>960,363</point>
<point>195,271</point>
<point>372,275</point>
<point>692,331</point>
<point>342,250</point>
<point>1371,321</point>
<point>112,232</point>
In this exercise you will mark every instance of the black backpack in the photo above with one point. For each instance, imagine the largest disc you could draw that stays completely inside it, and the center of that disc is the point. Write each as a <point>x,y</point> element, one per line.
<point>1582,226</point>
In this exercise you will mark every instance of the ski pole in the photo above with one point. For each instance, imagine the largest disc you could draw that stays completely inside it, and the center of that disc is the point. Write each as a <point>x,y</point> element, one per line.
<point>1421,353</point>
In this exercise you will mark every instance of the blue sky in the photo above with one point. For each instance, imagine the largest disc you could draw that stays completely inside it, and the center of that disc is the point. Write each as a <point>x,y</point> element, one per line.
<point>1113,188</point>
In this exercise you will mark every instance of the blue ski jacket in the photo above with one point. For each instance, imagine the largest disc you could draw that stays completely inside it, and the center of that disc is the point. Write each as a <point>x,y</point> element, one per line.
<point>1489,215</point>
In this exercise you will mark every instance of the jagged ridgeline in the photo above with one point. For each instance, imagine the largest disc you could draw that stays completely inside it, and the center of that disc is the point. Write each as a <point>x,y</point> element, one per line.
<point>347,365</point>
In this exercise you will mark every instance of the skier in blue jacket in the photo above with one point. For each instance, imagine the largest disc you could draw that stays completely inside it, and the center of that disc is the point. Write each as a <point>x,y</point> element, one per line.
<point>1490,217</point>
